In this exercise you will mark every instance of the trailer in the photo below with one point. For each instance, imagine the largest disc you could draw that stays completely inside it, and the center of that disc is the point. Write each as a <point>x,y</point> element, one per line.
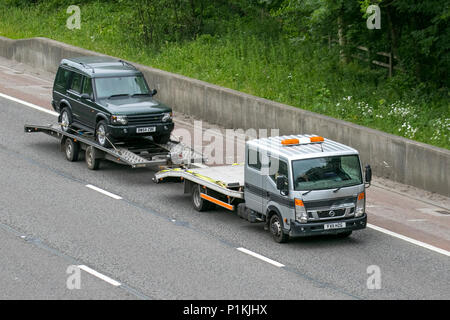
<point>137,153</point>
<point>300,185</point>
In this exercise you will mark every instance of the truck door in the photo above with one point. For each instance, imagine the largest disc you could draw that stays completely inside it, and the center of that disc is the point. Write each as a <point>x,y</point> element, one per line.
<point>276,167</point>
<point>253,191</point>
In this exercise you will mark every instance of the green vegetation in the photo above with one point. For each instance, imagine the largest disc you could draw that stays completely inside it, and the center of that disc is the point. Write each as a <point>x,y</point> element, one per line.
<point>275,50</point>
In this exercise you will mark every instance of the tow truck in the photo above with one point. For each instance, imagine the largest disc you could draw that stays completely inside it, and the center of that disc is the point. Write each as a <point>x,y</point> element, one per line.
<point>137,153</point>
<point>298,185</point>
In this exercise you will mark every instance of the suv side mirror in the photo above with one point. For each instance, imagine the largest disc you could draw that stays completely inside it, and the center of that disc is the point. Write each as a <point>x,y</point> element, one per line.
<point>154,91</point>
<point>85,96</point>
<point>282,184</point>
<point>368,174</point>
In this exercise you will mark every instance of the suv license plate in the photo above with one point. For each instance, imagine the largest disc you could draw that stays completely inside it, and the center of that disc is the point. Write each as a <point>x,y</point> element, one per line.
<point>145,130</point>
<point>336,225</point>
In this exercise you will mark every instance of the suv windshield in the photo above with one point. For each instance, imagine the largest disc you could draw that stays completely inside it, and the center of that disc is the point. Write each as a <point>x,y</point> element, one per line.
<point>129,85</point>
<point>326,172</point>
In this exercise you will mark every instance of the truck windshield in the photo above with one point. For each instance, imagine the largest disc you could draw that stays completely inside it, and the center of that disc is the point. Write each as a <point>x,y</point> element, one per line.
<point>129,85</point>
<point>326,172</point>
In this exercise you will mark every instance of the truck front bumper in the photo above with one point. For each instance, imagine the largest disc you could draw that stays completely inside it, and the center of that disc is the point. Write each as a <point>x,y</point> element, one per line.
<point>317,228</point>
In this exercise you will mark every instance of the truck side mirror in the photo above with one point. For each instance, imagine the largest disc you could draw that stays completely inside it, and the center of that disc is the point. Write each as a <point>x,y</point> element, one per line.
<point>282,184</point>
<point>368,174</point>
<point>154,91</point>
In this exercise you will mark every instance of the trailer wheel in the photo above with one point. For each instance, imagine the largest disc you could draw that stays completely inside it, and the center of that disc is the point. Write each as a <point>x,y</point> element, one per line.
<point>92,162</point>
<point>199,203</point>
<point>276,229</point>
<point>72,150</point>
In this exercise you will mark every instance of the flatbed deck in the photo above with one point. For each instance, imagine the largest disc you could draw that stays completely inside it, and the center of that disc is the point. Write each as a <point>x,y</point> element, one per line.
<point>138,153</point>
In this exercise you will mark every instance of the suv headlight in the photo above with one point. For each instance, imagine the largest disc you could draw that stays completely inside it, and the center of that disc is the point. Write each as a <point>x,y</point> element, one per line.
<point>119,120</point>
<point>360,204</point>
<point>167,116</point>
<point>300,212</point>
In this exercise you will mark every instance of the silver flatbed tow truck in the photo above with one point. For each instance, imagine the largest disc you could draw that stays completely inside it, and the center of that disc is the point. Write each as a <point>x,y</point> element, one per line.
<point>137,153</point>
<point>298,185</point>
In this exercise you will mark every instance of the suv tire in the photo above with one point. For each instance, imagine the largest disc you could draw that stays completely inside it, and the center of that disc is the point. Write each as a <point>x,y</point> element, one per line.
<point>66,119</point>
<point>101,134</point>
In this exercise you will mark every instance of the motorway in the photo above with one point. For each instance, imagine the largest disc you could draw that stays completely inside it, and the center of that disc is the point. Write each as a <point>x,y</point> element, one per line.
<point>145,241</point>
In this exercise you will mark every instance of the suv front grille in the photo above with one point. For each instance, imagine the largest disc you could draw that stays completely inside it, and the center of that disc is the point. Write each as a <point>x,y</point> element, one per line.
<point>144,119</point>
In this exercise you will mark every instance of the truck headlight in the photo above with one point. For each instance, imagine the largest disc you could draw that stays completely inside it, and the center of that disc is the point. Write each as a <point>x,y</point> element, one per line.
<point>119,120</point>
<point>167,116</point>
<point>360,205</point>
<point>300,212</point>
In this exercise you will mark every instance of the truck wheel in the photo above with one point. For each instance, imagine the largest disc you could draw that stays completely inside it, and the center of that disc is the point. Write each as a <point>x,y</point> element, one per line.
<point>72,149</point>
<point>199,203</point>
<point>344,234</point>
<point>101,132</point>
<point>276,229</point>
<point>162,139</point>
<point>66,119</point>
<point>92,162</point>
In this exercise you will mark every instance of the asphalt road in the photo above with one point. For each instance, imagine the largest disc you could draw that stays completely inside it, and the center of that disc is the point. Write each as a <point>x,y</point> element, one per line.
<point>158,247</point>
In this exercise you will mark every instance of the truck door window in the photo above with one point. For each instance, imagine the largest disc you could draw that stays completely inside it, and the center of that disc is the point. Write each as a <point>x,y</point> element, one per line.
<point>253,159</point>
<point>277,167</point>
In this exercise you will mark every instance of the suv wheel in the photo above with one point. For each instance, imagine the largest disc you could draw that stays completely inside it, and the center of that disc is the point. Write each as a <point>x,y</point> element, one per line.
<point>101,132</point>
<point>66,119</point>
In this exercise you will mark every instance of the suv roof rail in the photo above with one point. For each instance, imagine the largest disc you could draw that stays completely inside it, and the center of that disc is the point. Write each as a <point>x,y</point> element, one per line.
<point>71,63</point>
<point>87,66</point>
<point>128,64</point>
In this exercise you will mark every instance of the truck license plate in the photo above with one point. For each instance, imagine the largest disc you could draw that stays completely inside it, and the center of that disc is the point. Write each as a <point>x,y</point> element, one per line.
<point>145,130</point>
<point>336,225</point>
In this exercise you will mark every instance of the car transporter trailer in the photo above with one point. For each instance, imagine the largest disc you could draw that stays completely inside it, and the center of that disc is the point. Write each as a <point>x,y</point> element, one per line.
<point>137,153</point>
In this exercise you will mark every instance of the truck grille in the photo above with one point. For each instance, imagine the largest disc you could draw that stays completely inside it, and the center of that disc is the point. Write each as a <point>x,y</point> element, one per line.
<point>330,209</point>
<point>144,119</point>
<point>323,204</point>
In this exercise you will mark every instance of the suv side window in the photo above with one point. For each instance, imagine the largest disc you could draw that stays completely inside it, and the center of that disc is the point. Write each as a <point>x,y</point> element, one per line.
<point>87,87</point>
<point>76,82</point>
<point>62,77</point>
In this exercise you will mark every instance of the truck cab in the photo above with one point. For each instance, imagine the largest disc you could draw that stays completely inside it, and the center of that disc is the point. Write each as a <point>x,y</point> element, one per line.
<point>304,185</point>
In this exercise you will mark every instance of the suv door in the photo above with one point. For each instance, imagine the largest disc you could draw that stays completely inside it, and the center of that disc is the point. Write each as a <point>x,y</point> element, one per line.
<point>60,86</point>
<point>73,92</point>
<point>87,110</point>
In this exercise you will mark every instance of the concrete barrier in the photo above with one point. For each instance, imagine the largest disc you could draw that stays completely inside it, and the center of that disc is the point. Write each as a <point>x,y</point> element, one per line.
<point>391,157</point>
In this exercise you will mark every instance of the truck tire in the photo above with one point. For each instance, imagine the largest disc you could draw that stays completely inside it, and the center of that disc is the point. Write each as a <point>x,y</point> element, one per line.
<point>198,203</point>
<point>101,134</point>
<point>72,150</point>
<point>66,119</point>
<point>276,229</point>
<point>92,162</point>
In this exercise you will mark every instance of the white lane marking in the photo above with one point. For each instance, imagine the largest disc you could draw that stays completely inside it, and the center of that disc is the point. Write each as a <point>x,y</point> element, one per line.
<point>422,244</point>
<point>99,275</point>
<point>410,240</point>
<point>29,104</point>
<point>256,255</point>
<point>109,194</point>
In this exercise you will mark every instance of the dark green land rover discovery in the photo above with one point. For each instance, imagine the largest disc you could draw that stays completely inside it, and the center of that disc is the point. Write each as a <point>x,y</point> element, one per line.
<point>111,98</point>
